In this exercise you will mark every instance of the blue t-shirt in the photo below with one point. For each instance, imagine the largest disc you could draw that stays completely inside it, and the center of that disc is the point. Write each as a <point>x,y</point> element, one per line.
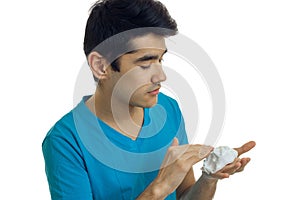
<point>86,159</point>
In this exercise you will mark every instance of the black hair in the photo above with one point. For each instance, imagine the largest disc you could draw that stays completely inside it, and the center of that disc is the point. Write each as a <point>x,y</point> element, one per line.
<point>111,17</point>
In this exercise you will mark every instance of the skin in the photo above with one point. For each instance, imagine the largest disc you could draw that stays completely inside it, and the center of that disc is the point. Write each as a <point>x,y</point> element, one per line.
<point>144,80</point>
<point>209,182</point>
<point>119,100</point>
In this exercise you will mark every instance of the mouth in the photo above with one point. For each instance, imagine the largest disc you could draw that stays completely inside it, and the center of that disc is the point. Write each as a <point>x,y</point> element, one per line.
<point>154,92</point>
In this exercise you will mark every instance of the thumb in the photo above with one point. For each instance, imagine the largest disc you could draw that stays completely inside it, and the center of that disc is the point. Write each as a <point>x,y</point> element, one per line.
<point>175,142</point>
<point>245,148</point>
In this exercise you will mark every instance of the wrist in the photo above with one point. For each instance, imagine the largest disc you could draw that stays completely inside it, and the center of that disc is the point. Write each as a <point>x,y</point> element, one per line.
<point>209,178</point>
<point>157,190</point>
<point>160,190</point>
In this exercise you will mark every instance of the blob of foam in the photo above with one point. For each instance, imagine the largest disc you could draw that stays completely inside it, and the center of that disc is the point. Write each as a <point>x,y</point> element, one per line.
<point>218,158</point>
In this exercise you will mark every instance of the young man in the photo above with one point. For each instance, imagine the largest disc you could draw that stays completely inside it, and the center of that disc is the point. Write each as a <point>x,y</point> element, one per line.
<point>127,140</point>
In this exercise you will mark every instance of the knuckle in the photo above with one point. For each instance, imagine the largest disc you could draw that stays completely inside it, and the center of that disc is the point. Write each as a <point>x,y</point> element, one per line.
<point>172,153</point>
<point>196,157</point>
<point>169,150</point>
<point>182,165</point>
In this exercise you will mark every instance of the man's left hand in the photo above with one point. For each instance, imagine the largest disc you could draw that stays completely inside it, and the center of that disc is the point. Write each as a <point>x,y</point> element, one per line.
<point>237,165</point>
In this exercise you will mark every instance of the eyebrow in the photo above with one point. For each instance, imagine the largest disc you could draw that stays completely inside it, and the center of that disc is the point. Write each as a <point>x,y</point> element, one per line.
<point>149,57</point>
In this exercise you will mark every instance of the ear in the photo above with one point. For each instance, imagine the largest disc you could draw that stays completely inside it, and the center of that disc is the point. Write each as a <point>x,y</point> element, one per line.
<point>98,65</point>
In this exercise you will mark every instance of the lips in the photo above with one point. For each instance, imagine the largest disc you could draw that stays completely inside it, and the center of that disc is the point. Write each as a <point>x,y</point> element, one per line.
<point>155,91</point>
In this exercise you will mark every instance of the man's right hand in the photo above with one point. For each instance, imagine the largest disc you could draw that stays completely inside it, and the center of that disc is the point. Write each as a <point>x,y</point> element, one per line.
<point>177,163</point>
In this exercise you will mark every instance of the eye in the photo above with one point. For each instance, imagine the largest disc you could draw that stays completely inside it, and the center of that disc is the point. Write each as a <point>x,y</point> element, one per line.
<point>145,67</point>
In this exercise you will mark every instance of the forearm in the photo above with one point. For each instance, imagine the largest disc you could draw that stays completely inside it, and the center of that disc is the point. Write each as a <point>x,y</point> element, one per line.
<point>203,189</point>
<point>156,191</point>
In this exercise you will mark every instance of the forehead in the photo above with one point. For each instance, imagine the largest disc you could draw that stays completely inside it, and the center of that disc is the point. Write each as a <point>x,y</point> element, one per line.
<point>149,45</point>
<point>148,42</point>
<point>142,49</point>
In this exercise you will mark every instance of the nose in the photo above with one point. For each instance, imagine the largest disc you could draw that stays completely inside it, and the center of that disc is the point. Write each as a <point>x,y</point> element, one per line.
<point>158,75</point>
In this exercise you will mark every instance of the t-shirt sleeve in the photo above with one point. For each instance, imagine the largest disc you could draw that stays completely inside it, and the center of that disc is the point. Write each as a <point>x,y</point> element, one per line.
<point>65,169</point>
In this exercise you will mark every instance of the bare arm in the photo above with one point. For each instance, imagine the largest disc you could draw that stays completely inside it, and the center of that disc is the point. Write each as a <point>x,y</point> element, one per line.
<point>177,173</point>
<point>175,170</point>
<point>205,187</point>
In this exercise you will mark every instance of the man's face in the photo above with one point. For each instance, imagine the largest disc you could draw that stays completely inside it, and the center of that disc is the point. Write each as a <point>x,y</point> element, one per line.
<point>141,73</point>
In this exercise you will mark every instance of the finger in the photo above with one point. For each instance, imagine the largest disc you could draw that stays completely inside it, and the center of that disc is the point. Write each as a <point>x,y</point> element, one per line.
<point>236,168</point>
<point>244,162</point>
<point>184,161</point>
<point>220,175</point>
<point>175,142</point>
<point>193,156</point>
<point>199,153</point>
<point>184,152</point>
<point>197,146</point>
<point>203,150</point>
<point>232,170</point>
<point>231,167</point>
<point>245,148</point>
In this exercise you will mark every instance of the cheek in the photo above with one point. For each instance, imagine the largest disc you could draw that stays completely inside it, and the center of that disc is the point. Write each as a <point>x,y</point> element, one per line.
<point>141,99</point>
<point>135,78</point>
<point>139,93</point>
<point>132,84</point>
<point>140,77</point>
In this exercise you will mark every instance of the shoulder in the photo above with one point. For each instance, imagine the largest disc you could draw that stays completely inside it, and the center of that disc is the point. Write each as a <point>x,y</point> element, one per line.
<point>63,127</point>
<point>61,134</point>
<point>64,133</point>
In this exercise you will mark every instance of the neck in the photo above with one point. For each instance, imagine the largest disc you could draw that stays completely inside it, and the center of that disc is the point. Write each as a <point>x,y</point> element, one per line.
<point>124,118</point>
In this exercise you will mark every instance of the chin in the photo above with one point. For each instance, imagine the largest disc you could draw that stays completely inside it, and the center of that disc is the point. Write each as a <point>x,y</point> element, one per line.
<point>146,104</point>
<point>151,102</point>
<point>150,105</point>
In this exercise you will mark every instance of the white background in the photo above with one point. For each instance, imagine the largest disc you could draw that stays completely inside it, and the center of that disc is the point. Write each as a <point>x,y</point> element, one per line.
<point>254,44</point>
